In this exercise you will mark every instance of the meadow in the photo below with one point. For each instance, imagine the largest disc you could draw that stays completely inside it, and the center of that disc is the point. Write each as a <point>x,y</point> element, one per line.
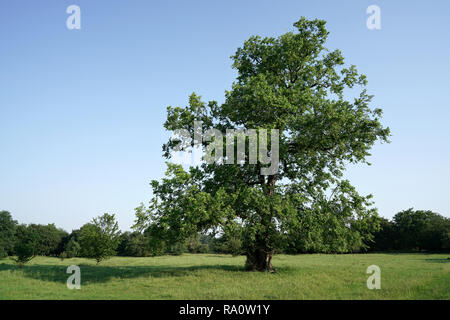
<point>213,276</point>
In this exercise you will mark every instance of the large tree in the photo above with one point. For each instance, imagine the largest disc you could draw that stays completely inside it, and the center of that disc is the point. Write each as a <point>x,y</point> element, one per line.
<point>291,83</point>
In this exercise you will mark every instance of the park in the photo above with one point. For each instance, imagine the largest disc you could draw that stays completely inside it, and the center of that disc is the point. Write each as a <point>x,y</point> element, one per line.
<point>212,276</point>
<point>312,183</point>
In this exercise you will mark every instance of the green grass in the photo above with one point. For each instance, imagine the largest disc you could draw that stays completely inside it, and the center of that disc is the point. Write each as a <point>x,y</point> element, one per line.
<point>210,276</point>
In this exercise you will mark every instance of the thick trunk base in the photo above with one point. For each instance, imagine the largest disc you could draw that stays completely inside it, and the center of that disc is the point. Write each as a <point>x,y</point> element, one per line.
<point>259,261</point>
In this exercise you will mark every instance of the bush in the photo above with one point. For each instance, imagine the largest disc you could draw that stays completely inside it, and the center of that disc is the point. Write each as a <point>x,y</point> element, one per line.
<point>203,248</point>
<point>24,253</point>
<point>234,246</point>
<point>177,249</point>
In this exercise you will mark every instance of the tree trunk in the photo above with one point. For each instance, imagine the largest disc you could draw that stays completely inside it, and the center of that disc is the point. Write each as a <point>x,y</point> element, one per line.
<point>259,260</point>
<point>259,257</point>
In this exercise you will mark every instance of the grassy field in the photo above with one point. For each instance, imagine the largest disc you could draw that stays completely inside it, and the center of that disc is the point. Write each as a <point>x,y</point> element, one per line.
<point>209,276</point>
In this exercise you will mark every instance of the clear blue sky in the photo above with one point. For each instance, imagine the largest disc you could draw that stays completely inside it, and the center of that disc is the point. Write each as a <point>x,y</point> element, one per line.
<point>81,111</point>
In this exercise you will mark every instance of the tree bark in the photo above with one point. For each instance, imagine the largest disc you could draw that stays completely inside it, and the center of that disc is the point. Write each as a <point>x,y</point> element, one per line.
<point>259,260</point>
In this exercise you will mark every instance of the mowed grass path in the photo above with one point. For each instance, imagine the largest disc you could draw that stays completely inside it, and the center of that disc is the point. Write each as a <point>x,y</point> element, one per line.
<point>210,276</point>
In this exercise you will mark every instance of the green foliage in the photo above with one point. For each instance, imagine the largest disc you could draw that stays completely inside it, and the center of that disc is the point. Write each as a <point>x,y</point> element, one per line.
<point>231,245</point>
<point>25,247</point>
<point>100,238</point>
<point>193,243</point>
<point>7,233</point>
<point>3,253</point>
<point>446,241</point>
<point>199,243</point>
<point>140,221</point>
<point>421,230</point>
<point>413,230</point>
<point>294,84</point>
<point>24,252</point>
<point>177,248</point>
<point>70,245</point>
<point>385,238</point>
<point>49,239</point>
<point>208,242</point>
<point>231,240</point>
<point>121,247</point>
<point>73,249</point>
<point>156,245</point>
<point>341,223</point>
<point>133,244</point>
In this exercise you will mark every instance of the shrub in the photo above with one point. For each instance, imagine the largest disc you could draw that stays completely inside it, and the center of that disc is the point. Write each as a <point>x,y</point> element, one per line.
<point>24,253</point>
<point>177,248</point>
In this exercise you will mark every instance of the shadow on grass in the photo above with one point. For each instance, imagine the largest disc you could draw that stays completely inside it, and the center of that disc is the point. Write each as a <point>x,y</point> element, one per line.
<point>436,260</point>
<point>101,274</point>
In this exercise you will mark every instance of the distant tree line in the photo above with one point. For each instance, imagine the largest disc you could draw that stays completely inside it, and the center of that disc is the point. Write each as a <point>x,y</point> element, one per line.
<point>409,230</point>
<point>413,230</point>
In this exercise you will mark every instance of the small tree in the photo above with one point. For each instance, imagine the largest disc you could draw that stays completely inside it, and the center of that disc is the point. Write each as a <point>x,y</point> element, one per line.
<point>24,253</point>
<point>26,241</point>
<point>100,238</point>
